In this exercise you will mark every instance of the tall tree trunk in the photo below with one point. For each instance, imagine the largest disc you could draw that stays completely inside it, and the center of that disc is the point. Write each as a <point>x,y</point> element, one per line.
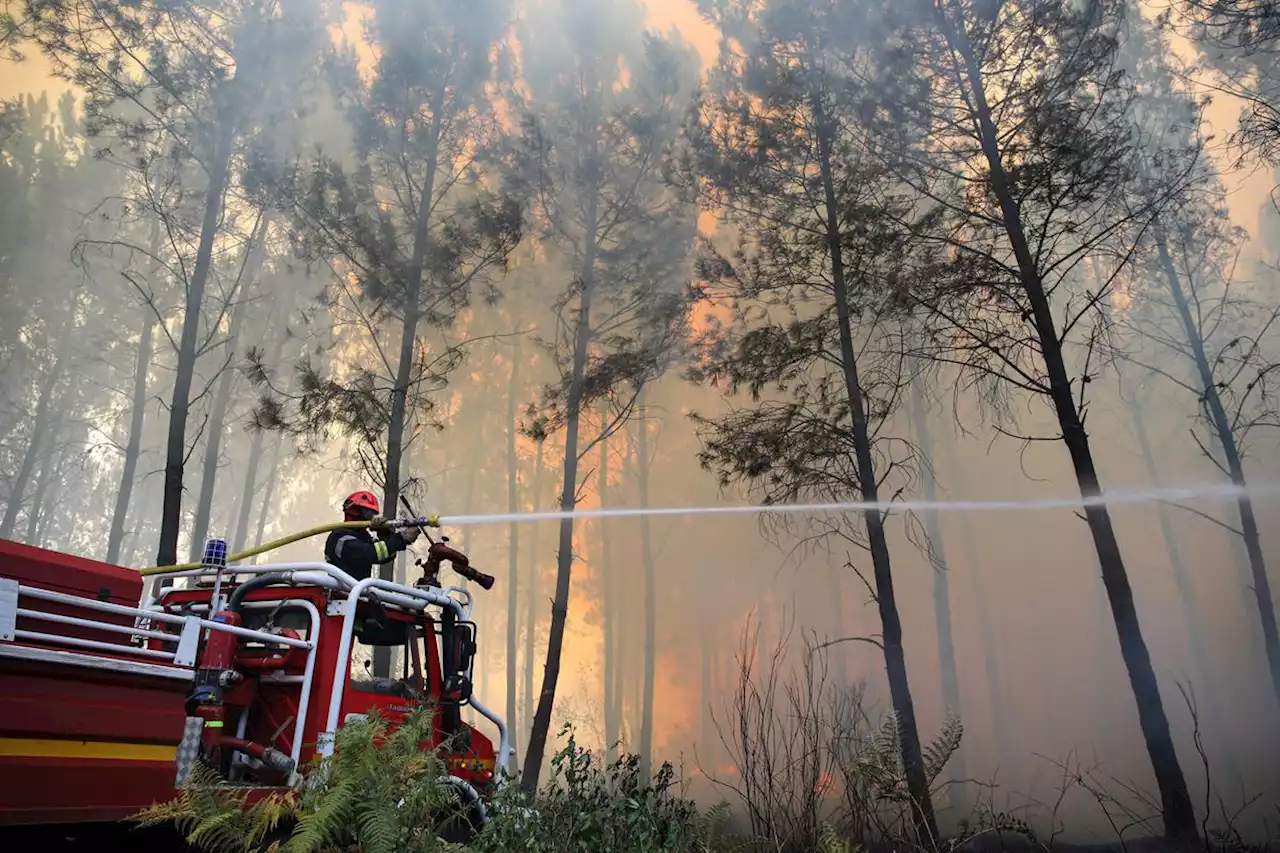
<point>894,655</point>
<point>1181,578</point>
<point>941,590</point>
<point>650,592</point>
<point>609,585</point>
<point>40,425</point>
<point>513,557</point>
<point>47,465</point>
<point>531,595</point>
<point>250,485</point>
<point>404,367</point>
<point>1240,557</point>
<point>997,696</point>
<point>133,443</point>
<point>480,670</point>
<point>1225,433</point>
<point>1177,811</point>
<point>49,508</point>
<point>180,405</point>
<point>134,547</point>
<point>627,693</point>
<point>214,430</point>
<point>835,592</point>
<point>272,479</point>
<point>1186,591</point>
<point>568,500</point>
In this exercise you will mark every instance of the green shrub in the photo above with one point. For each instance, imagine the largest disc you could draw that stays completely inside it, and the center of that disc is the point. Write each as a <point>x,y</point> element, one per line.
<point>588,806</point>
<point>378,793</point>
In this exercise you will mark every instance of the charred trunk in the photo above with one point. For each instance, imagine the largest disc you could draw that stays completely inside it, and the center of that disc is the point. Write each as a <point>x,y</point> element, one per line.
<point>39,426</point>
<point>404,367</point>
<point>568,500</point>
<point>216,427</point>
<point>269,494</point>
<point>51,460</point>
<point>941,588</point>
<point>180,405</point>
<point>650,592</point>
<point>531,595</point>
<point>1224,431</point>
<point>1181,578</point>
<point>609,585</point>
<point>992,664</point>
<point>1177,811</point>
<point>894,654</point>
<point>133,443</point>
<point>213,442</point>
<point>513,556</point>
<point>249,486</point>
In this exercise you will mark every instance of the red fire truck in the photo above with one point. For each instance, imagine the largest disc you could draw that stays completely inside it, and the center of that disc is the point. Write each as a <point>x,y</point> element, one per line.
<point>107,699</point>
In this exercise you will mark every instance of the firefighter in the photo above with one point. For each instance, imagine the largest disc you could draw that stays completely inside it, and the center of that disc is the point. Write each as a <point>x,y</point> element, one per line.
<point>356,552</point>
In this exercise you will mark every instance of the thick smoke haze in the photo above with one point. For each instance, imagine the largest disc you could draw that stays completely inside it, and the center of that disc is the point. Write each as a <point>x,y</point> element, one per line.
<point>297,336</point>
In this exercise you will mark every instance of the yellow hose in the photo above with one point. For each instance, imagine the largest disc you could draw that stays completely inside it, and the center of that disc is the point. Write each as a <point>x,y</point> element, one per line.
<point>261,549</point>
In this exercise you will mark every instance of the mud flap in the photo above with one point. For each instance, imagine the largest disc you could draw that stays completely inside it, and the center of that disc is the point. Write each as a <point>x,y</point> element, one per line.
<point>188,750</point>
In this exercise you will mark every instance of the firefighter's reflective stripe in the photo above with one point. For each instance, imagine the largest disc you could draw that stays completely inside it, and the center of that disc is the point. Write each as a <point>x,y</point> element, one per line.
<point>213,724</point>
<point>337,549</point>
<point>380,548</point>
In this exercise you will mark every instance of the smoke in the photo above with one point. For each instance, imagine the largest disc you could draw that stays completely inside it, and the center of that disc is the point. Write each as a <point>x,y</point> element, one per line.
<point>108,245</point>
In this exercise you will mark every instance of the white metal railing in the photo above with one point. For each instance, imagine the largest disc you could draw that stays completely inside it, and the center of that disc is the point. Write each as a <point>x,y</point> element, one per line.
<point>408,598</point>
<point>306,679</point>
<point>12,593</point>
<point>330,577</point>
<point>342,668</point>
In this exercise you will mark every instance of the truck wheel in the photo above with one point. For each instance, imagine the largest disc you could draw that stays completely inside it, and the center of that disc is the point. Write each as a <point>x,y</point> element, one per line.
<point>467,817</point>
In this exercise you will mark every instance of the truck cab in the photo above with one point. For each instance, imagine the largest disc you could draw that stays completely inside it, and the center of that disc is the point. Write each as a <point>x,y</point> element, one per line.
<point>104,707</point>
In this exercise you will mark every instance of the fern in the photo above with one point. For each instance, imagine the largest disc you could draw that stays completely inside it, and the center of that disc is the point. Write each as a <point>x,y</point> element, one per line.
<point>213,817</point>
<point>939,752</point>
<point>711,834</point>
<point>830,841</point>
<point>377,793</point>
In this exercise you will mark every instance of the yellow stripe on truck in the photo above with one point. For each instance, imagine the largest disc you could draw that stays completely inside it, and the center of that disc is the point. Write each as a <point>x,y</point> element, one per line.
<point>98,749</point>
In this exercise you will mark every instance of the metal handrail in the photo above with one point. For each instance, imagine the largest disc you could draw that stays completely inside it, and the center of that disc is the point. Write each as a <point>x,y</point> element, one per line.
<point>342,668</point>
<point>183,656</point>
<point>307,677</point>
<point>400,595</point>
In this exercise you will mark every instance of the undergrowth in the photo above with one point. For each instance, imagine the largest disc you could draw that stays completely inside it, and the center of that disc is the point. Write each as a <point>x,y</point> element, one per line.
<point>379,794</point>
<point>812,773</point>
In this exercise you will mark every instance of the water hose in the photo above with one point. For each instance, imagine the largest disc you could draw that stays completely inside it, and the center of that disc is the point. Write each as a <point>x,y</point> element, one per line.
<point>236,600</point>
<point>430,521</point>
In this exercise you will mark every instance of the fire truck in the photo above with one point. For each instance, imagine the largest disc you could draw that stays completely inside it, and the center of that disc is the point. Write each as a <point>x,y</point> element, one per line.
<point>108,698</point>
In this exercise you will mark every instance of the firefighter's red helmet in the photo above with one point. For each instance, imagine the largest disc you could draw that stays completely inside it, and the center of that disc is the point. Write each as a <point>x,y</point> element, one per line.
<point>359,500</point>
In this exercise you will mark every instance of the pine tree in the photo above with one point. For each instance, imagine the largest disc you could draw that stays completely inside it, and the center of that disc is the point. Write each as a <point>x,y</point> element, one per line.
<point>1189,303</point>
<point>593,153</point>
<point>812,338</point>
<point>1025,168</point>
<point>414,222</point>
<point>176,83</point>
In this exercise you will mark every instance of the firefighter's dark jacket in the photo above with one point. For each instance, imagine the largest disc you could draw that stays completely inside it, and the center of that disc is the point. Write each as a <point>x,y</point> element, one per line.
<point>356,552</point>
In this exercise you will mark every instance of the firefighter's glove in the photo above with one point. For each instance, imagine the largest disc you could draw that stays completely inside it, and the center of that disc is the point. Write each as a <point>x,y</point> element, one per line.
<point>377,523</point>
<point>410,534</point>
